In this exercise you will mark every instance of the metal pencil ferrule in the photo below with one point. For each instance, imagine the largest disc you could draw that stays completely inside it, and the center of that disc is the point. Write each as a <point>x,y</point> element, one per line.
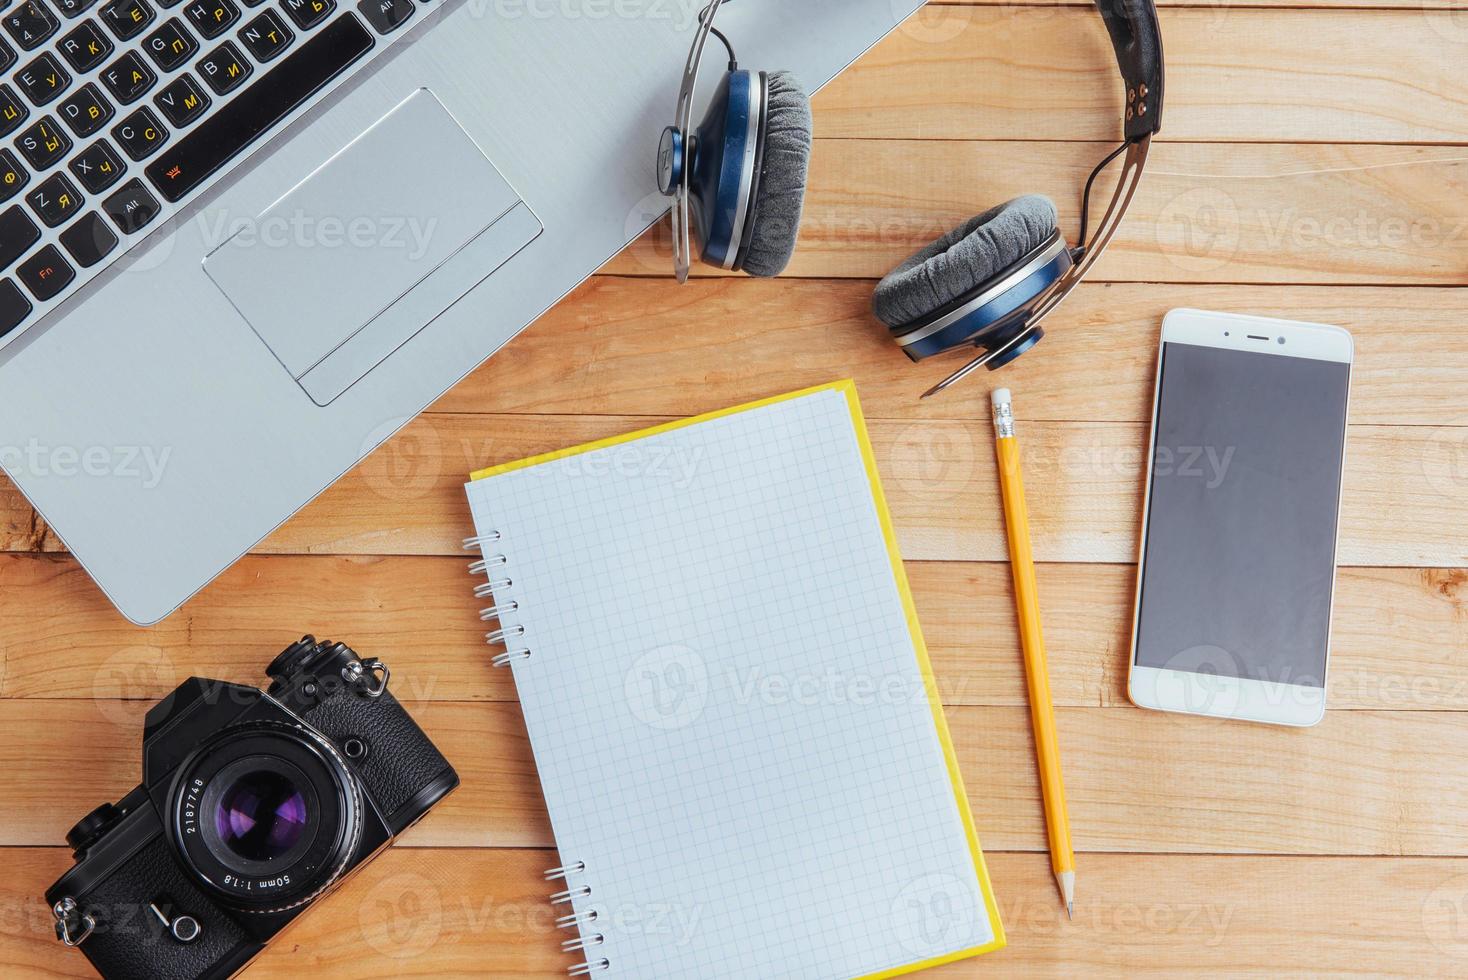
<point>1004,421</point>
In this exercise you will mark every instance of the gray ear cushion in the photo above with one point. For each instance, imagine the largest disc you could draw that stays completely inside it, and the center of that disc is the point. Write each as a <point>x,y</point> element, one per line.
<point>781,194</point>
<point>971,254</point>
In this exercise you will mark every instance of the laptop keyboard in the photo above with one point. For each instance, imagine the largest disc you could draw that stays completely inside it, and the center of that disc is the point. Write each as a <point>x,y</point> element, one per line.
<point>113,113</point>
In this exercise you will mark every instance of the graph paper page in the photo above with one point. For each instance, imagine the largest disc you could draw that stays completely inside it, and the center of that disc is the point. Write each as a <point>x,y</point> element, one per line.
<point>725,703</point>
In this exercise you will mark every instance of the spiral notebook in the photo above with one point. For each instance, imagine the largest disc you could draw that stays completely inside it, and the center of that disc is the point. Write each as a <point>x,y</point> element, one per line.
<point>733,716</point>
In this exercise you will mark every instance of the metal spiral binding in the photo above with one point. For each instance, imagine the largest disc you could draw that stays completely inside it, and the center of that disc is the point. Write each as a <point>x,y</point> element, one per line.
<point>570,895</point>
<point>565,872</point>
<point>476,543</point>
<point>509,657</point>
<point>496,612</point>
<point>576,920</point>
<point>502,634</point>
<point>488,588</point>
<point>485,564</point>
<point>578,944</point>
<point>494,589</point>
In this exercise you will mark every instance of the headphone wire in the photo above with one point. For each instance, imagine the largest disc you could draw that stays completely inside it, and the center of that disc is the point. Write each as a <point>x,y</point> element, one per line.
<point>704,16</point>
<point>1086,197</point>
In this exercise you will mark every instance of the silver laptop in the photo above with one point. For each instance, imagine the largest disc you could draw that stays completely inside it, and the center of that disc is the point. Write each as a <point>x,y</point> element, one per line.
<point>243,241</point>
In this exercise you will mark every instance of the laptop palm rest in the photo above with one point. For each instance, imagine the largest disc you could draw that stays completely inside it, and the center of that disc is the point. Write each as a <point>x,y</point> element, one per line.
<point>366,251</point>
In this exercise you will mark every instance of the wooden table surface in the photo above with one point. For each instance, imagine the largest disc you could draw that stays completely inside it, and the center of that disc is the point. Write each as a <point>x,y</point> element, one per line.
<point>1313,166</point>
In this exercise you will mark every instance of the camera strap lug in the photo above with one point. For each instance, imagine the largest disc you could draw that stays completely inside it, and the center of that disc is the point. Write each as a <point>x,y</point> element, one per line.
<point>369,677</point>
<point>72,926</point>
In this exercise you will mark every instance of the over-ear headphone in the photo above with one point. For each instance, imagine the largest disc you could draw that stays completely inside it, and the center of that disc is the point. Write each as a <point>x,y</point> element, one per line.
<point>738,184</point>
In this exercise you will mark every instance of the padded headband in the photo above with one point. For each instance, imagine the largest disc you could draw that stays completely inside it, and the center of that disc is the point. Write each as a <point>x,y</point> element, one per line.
<point>1137,37</point>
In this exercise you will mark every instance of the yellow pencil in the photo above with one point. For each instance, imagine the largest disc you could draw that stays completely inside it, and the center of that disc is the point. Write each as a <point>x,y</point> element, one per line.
<point>1037,673</point>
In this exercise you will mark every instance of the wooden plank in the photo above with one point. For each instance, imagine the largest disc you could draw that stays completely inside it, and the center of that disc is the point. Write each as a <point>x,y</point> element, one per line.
<point>66,641</point>
<point>476,913</point>
<point>1363,782</point>
<point>1206,212</point>
<point>1404,500</point>
<point>1400,637</point>
<point>463,913</point>
<point>982,72</point>
<point>651,347</point>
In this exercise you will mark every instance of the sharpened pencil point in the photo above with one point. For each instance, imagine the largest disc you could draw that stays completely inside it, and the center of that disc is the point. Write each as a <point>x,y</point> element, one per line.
<point>1067,882</point>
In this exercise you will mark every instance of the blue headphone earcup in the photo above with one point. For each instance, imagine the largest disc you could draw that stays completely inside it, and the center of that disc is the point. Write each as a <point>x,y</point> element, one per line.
<point>964,287</point>
<point>964,259</point>
<point>724,159</point>
<point>779,187</point>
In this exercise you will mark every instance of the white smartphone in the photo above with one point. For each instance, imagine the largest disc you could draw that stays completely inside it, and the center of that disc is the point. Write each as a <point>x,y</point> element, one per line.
<point>1242,512</point>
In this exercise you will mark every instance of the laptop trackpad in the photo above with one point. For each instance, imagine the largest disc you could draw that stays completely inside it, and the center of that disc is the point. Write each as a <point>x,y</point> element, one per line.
<point>380,239</point>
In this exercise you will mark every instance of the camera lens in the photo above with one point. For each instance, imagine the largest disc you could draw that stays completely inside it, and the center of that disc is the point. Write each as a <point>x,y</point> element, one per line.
<point>261,816</point>
<point>267,815</point>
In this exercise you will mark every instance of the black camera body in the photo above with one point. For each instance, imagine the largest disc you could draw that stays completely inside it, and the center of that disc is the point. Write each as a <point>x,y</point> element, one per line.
<point>253,805</point>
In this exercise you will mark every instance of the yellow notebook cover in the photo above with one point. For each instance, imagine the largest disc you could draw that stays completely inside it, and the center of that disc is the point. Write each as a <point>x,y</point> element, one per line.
<point>495,503</point>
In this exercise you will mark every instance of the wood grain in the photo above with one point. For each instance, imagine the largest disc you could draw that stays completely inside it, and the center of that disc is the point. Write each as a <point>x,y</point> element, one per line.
<point>1312,166</point>
<point>1205,212</point>
<point>650,347</point>
<point>475,913</point>
<point>979,72</point>
<point>1404,499</point>
<point>1362,783</point>
<point>1400,637</point>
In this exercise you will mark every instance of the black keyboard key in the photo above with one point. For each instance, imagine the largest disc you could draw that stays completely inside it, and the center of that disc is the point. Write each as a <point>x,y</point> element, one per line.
<point>212,18</point>
<point>43,143</point>
<point>46,273</point>
<point>266,36</point>
<point>12,175</point>
<point>234,126</point>
<point>97,167</point>
<point>128,77</point>
<point>308,13</point>
<point>140,133</point>
<point>12,110</point>
<point>224,68</point>
<point>14,307</point>
<point>30,23</point>
<point>86,110</point>
<point>74,8</point>
<point>127,18</point>
<point>182,101</point>
<point>7,56</point>
<point>132,207</point>
<point>89,240</point>
<point>55,200</point>
<point>17,233</point>
<point>386,16</point>
<point>43,79</point>
<point>86,47</point>
<point>170,45</point>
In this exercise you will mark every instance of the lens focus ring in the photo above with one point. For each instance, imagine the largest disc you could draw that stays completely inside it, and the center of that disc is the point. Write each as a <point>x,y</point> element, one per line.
<point>267,815</point>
